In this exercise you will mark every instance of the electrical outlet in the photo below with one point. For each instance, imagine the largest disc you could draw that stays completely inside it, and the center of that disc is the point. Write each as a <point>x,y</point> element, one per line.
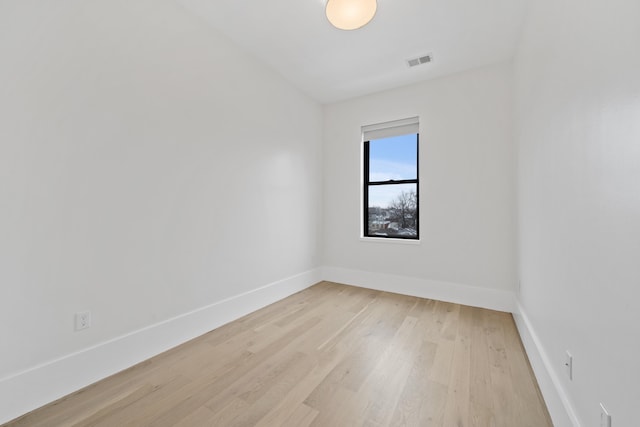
<point>605,418</point>
<point>83,320</point>
<point>568,365</point>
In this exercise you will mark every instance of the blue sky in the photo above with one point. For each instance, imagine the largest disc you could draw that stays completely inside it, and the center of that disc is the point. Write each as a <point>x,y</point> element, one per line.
<point>391,158</point>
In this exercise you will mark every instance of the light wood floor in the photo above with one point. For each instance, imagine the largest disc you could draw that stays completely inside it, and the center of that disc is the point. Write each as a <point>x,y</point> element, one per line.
<point>332,355</point>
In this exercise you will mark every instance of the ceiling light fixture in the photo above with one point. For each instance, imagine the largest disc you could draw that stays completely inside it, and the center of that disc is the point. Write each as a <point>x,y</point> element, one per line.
<point>350,14</point>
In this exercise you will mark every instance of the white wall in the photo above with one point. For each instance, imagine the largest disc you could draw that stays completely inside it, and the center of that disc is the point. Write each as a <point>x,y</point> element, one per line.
<point>466,190</point>
<point>148,168</point>
<point>578,138</point>
<point>151,172</point>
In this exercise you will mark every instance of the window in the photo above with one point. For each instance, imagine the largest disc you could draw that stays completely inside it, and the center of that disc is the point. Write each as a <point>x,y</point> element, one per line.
<point>390,191</point>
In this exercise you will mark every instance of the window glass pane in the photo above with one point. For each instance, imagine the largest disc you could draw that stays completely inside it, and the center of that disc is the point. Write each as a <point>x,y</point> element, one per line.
<point>392,210</point>
<point>393,158</point>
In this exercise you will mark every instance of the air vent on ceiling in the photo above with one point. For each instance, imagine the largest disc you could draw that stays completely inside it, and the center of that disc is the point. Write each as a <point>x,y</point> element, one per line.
<point>425,59</point>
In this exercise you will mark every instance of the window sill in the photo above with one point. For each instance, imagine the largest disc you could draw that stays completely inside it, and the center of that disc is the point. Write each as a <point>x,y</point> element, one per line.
<point>390,240</point>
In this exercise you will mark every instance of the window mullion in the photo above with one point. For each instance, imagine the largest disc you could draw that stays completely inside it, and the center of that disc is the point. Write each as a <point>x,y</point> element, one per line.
<point>394,182</point>
<point>365,190</point>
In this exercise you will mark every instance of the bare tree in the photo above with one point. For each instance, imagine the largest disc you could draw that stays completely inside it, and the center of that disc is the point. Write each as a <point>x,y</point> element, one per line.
<point>405,208</point>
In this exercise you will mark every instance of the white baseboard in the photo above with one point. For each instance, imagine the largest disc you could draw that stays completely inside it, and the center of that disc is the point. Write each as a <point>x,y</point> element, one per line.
<point>434,289</point>
<point>558,403</point>
<point>25,391</point>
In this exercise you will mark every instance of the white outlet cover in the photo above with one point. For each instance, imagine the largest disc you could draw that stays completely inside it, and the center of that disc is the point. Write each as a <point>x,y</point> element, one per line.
<point>83,320</point>
<point>568,365</point>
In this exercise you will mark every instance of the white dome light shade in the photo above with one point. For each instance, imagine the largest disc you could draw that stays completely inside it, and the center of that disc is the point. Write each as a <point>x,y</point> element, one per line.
<point>350,14</point>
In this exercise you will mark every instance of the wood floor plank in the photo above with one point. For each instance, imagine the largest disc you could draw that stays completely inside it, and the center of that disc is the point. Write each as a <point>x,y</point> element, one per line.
<point>387,380</point>
<point>481,408</point>
<point>285,410</point>
<point>457,407</point>
<point>331,355</point>
<point>303,416</point>
<point>415,391</point>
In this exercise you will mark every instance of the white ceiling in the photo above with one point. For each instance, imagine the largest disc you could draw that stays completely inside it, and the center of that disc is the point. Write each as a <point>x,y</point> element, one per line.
<point>295,38</point>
